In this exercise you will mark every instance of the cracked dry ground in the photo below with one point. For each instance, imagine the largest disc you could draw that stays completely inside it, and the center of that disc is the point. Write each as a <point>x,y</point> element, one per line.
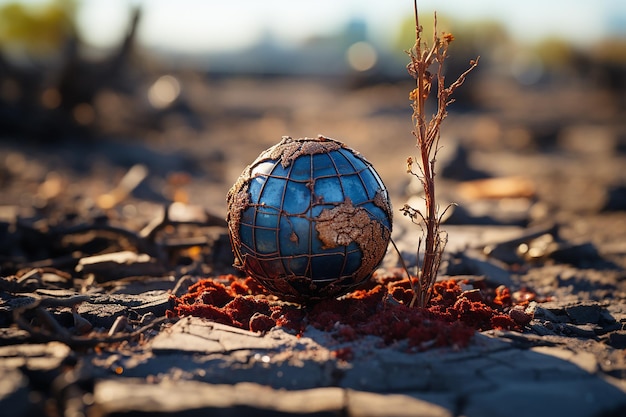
<point>89,265</point>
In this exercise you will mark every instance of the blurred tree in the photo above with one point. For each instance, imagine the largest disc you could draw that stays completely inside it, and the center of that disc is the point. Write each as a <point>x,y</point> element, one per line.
<point>611,50</point>
<point>470,37</point>
<point>606,66</point>
<point>36,30</point>
<point>47,86</point>
<point>555,53</point>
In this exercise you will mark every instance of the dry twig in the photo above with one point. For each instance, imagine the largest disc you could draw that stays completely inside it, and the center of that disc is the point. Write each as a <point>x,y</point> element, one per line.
<point>427,134</point>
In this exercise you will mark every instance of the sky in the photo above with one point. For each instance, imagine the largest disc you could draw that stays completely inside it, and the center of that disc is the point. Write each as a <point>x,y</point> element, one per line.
<point>220,25</point>
<point>214,25</point>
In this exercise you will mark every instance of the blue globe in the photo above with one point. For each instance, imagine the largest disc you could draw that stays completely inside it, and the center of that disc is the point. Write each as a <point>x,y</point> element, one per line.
<point>309,219</point>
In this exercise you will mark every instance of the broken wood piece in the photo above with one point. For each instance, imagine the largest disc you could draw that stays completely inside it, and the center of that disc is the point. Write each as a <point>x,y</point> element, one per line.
<point>497,188</point>
<point>117,265</point>
<point>135,175</point>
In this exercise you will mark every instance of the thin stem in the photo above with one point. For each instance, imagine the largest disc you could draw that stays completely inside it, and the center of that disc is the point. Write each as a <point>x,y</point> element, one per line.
<point>417,20</point>
<point>427,141</point>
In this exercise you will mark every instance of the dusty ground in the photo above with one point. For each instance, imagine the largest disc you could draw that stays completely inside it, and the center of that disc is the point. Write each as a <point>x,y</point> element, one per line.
<point>559,150</point>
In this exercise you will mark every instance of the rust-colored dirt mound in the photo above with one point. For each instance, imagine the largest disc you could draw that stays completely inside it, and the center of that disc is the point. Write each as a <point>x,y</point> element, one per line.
<point>457,310</point>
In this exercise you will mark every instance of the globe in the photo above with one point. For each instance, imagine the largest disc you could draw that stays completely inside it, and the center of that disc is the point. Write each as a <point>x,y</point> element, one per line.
<point>309,219</point>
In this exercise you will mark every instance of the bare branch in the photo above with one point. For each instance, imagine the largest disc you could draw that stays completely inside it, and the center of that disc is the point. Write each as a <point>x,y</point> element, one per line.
<point>427,137</point>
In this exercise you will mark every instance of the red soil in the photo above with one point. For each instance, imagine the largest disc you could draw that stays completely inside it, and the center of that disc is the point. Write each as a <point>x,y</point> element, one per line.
<point>380,309</point>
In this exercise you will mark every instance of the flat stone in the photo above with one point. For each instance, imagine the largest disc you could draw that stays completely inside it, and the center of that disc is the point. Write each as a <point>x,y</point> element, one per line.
<point>584,313</point>
<point>101,310</point>
<point>34,356</point>
<point>392,370</point>
<point>121,397</point>
<point>213,352</point>
<point>367,404</point>
<point>588,331</point>
<point>193,334</point>
<point>584,360</point>
<point>580,397</point>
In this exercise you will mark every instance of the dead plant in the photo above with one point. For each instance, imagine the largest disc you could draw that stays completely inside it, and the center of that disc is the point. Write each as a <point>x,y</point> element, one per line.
<point>427,68</point>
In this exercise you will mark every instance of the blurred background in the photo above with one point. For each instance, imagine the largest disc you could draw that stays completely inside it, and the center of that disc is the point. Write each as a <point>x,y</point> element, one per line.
<point>187,93</point>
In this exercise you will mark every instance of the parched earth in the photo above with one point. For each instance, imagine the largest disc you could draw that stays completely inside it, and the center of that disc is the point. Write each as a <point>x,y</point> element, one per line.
<point>99,236</point>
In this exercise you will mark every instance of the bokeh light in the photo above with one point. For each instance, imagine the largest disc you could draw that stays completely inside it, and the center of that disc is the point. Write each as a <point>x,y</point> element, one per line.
<point>361,56</point>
